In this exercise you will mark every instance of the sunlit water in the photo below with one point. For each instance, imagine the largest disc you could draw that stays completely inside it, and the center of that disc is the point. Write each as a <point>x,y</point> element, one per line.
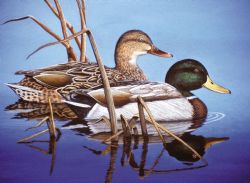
<point>214,32</point>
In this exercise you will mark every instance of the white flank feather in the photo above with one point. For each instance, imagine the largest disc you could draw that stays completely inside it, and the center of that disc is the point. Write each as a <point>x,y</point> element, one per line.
<point>164,110</point>
<point>76,104</point>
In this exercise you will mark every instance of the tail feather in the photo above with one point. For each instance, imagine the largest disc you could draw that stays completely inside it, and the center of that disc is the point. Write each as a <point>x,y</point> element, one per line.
<point>19,87</point>
<point>35,95</point>
<point>26,93</point>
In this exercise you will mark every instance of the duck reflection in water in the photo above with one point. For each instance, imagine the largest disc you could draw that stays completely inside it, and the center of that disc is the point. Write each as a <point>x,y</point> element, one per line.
<point>200,143</point>
<point>37,111</point>
<point>136,143</point>
<point>32,110</point>
<point>130,146</point>
<point>173,148</point>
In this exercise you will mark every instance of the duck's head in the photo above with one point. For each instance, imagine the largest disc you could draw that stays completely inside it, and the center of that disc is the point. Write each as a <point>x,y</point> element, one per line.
<point>132,44</point>
<point>189,74</point>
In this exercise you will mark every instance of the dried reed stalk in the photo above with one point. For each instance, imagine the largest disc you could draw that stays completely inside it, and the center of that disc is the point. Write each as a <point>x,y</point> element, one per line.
<point>143,158</point>
<point>63,41</point>
<point>135,130</point>
<point>115,136</point>
<point>155,162</point>
<point>131,125</point>
<point>126,150</point>
<point>104,119</point>
<point>46,29</point>
<point>142,120</point>
<point>81,8</point>
<point>39,123</point>
<point>84,10</point>
<point>106,85</point>
<point>142,103</point>
<point>68,24</point>
<point>125,126</point>
<point>52,151</point>
<point>111,168</point>
<point>158,126</point>
<point>51,122</point>
<point>71,54</point>
<point>32,136</point>
<point>39,149</point>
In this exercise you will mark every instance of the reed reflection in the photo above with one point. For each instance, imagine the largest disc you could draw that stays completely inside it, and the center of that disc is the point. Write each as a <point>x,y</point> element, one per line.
<point>137,143</point>
<point>129,145</point>
<point>172,149</point>
<point>33,110</point>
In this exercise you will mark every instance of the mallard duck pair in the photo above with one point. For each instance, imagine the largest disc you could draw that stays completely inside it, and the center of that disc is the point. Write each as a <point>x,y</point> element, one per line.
<point>57,81</point>
<point>171,101</point>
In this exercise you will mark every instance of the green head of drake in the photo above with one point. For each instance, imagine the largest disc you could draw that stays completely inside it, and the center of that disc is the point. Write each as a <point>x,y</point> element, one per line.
<point>189,74</point>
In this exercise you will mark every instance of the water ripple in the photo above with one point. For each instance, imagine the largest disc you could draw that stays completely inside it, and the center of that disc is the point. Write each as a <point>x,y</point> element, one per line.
<point>213,117</point>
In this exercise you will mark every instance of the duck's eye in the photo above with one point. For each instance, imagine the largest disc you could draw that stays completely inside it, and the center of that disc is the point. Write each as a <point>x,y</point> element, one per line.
<point>141,39</point>
<point>196,70</point>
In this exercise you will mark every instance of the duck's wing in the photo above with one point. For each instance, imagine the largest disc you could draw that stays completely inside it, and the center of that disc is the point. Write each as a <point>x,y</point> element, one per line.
<point>88,77</point>
<point>150,91</point>
<point>154,91</point>
<point>54,79</point>
<point>83,77</point>
<point>76,75</point>
<point>72,76</point>
<point>85,97</point>
<point>50,77</point>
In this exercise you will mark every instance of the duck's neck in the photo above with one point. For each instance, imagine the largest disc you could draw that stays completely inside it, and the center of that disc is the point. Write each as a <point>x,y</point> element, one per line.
<point>186,93</point>
<point>126,63</point>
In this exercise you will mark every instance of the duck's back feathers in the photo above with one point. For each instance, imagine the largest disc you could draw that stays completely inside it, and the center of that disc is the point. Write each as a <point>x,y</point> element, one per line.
<point>58,67</point>
<point>63,78</point>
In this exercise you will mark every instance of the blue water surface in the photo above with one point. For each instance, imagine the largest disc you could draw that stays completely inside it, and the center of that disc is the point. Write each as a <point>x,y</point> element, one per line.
<point>213,32</point>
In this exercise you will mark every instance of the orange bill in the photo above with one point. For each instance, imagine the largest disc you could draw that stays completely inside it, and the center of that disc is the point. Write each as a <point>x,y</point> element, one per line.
<point>155,51</point>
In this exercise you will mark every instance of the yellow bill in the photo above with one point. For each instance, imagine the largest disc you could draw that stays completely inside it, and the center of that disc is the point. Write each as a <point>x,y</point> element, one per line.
<point>214,87</point>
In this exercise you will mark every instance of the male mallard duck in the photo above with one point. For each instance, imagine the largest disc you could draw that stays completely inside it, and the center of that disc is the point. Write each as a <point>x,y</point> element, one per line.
<point>170,101</point>
<point>38,85</point>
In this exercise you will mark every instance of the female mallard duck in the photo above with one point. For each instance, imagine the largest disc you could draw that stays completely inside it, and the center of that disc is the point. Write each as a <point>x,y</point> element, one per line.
<point>170,101</point>
<point>51,82</point>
